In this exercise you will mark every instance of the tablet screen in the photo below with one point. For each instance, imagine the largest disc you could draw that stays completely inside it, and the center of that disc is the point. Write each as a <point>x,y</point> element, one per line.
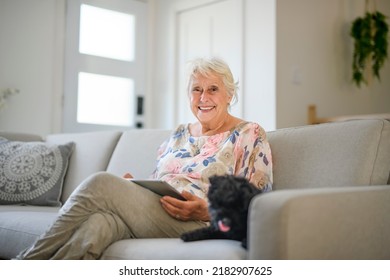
<point>160,187</point>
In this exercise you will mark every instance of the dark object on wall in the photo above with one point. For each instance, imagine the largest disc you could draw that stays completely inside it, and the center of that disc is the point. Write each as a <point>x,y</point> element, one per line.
<point>370,46</point>
<point>140,105</point>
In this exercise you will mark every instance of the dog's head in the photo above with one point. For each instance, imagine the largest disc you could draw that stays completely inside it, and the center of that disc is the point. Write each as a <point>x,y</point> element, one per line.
<point>229,199</point>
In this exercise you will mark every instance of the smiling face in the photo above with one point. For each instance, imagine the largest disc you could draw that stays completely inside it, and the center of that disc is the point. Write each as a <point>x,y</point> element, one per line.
<point>209,99</point>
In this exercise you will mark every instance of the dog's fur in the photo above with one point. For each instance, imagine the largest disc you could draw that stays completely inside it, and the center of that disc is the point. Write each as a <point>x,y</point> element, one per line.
<point>229,199</point>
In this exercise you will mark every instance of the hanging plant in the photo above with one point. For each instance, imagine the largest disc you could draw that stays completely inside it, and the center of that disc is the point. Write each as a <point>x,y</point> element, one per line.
<point>370,46</point>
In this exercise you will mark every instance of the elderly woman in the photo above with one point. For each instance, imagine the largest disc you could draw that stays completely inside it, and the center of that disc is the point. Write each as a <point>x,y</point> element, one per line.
<point>106,208</point>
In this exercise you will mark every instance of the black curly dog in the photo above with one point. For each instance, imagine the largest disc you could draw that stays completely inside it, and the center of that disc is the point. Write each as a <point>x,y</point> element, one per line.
<point>229,199</point>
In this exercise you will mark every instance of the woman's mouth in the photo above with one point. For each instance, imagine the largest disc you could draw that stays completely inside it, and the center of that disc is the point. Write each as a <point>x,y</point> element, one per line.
<point>206,109</point>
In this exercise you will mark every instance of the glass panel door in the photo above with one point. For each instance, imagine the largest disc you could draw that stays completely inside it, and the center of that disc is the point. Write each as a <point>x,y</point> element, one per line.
<point>105,71</point>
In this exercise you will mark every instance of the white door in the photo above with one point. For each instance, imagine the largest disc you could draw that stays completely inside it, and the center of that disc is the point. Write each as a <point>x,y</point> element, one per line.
<point>215,29</point>
<point>105,59</point>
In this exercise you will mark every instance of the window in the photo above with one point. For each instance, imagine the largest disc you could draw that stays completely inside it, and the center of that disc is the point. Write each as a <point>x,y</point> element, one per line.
<point>105,64</point>
<point>106,33</point>
<point>112,98</point>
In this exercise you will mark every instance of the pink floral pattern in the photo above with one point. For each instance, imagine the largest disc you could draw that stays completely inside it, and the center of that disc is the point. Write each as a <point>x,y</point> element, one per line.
<point>186,162</point>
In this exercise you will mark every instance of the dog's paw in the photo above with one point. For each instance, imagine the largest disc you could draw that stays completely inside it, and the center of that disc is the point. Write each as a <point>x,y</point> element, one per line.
<point>202,234</point>
<point>186,237</point>
<point>193,235</point>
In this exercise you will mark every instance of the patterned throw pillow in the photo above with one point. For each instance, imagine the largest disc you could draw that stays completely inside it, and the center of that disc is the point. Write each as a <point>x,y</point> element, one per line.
<point>32,172</point>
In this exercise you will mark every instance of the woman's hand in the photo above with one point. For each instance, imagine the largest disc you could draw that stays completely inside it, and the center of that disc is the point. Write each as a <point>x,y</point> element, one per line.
<point>194,208</point>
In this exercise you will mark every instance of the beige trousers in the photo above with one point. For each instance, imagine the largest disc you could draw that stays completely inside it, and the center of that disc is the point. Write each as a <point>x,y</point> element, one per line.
<point>102,210</point>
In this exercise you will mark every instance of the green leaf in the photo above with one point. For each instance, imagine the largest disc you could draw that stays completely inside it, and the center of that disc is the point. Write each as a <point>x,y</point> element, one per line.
<point>370,35</point>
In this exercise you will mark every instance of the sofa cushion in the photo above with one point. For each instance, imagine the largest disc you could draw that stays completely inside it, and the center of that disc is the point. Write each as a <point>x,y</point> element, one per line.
<point>20,226</point>
<point>174,249</point>
<point>32,172</point>
<point>350,153</point>
<point>92,153</point>
<point>136,152</point>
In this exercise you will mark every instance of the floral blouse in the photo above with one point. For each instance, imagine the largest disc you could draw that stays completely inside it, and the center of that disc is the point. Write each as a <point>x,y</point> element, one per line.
<point>186,162</point>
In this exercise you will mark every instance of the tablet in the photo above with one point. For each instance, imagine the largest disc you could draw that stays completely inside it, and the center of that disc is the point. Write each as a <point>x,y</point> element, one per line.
<point>160,187</point>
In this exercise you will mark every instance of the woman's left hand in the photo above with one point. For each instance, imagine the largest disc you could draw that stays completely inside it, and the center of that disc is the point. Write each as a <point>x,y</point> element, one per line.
<point>194,208</point>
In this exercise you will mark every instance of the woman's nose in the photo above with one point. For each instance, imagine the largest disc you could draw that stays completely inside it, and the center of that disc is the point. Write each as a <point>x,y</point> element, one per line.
<point>203,96</point>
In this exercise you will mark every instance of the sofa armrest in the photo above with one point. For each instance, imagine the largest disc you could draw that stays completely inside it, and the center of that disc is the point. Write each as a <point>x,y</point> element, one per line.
<point>324,223</point>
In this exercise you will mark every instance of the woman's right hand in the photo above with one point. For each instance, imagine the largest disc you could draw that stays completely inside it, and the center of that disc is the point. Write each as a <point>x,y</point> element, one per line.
<point>194,208</point>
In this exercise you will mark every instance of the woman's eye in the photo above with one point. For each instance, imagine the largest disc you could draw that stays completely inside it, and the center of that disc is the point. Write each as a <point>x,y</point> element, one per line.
<point>214,89</point>
<point>196,90</point>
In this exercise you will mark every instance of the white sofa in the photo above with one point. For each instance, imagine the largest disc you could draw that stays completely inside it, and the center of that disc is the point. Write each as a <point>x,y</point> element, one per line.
<point>331,197</point>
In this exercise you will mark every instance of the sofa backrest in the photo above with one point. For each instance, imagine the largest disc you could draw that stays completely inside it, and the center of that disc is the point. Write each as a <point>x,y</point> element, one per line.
<point>91,154</point>
<point>346,153</point>
<point>18,136</point>
<point>136,152</point>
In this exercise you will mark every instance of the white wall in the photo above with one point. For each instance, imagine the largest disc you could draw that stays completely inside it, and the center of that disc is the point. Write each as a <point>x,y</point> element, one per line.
<point>31,49</point>
<point>314,61</point>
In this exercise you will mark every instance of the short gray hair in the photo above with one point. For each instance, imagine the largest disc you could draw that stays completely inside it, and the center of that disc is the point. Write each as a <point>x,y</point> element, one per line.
<point>207,66</point>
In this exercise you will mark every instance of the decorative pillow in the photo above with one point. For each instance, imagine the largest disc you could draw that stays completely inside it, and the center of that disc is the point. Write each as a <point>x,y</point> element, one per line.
<point>32,172</point>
